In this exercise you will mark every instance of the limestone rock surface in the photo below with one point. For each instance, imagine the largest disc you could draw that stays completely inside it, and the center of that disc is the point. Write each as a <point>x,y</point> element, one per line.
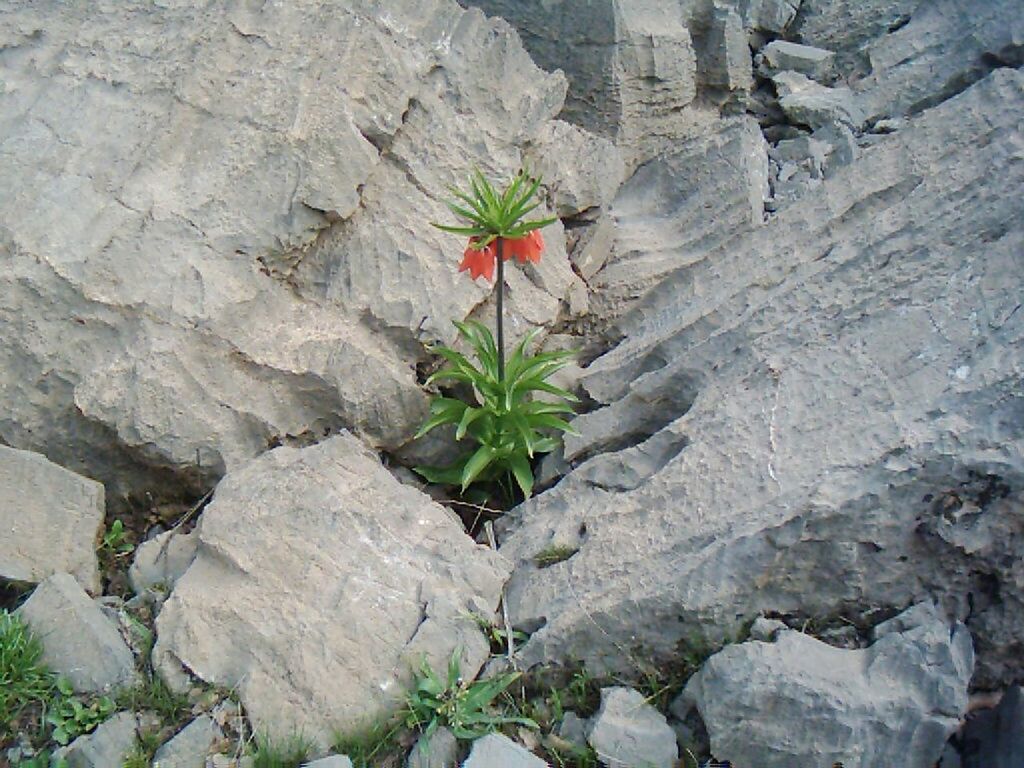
<point>995,738</point>
<point>79,641</point>
<point>106,747</point>
<point>215,230</point>
<point>497,751</point>
<point>798,701</point>
<point>818,417</point>
<point>319,583</point>
<point>50,520</point>
<point>190,746</point>
<point>627,732</point>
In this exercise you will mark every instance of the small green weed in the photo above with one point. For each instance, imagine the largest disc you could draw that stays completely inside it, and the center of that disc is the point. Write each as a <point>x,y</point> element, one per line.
<point>71,716</point>
<point>553,554</point>
<point>565,755</point>
<point>498,636</point>
<point>377,745</point>
<point>290,754</point>
<point>155,696</point>
<point>43,760</point>
<point>462,706</point>
<point>24,680</point>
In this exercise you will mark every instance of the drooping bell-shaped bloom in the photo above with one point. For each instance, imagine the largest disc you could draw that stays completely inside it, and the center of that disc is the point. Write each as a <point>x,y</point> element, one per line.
<point>524,249</point>
<point>479,261</point>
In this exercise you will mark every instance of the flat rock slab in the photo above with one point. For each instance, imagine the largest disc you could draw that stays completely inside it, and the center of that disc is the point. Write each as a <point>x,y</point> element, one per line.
<point>497,751</point>
<point>630,733</point>
<point>190,746</point>
<point>799,702</point>
<point>79,642</point>
<point>106,747</point>
<point>319,582</point>
<point>50,520</point>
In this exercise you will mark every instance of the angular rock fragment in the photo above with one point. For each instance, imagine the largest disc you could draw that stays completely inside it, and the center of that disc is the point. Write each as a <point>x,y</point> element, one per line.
<point>79,642</point>
<point>627,732</point>
<point>50,520</point>
<point>190,746</point>
<point>806,102</point>
<point>782,56</point>
<point>106,747</point>
<point>902,696</point>
<point>160,562</point>
<point>497,751</point>
<point>319,583</point>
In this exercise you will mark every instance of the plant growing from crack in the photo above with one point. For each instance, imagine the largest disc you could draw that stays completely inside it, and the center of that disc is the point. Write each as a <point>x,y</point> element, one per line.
<point>508,425</point>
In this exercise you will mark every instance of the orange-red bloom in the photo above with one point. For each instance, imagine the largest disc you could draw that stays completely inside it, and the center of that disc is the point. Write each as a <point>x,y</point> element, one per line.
<point>525,249</point>
<point>479,261</point>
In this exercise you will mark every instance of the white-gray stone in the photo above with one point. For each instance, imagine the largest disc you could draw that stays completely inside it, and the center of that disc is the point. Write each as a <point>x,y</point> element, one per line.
<point>782,55</point>
<point>766,629</point>
<point>319,583</point>
<point>79,642</point>
<point>441,750</point>
<point>190,746</point>
<point>160,562</point>
<point>627,732</point>
<point>50,520</point>
<point>497,751</point>
<point>806,102</point>
<point>798,701</point>
<point>331,761</point>
<point>106,747</point>
<point>769,15</point>
<point>820,415</point>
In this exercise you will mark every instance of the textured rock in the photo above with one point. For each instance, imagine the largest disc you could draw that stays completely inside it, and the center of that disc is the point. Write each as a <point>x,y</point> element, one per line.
<point>215,228</point>
<point>627,732</point>
<point>497,751</point>
<point>106,747</point>
<point>806,102</point>
<point>995,738</point>
<point>782,56</point>
<point>331,761</point>
<point>661,213</point>
<point>160,562</point>
<point>440,751</point>
<point>818,417</point>
<point>319,582</point>
<point>190,746</point>
<point>769,15</point>
<point>51,520</point>
<point>903,697</point>
<point>79,642</point>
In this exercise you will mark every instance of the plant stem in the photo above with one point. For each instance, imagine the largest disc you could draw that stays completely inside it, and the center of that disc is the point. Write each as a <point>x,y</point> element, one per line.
<point>500,304</point>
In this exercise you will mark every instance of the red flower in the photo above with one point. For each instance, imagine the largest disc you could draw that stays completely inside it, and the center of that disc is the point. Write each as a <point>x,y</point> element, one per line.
<point>525,249</point>
<point>479,261</point>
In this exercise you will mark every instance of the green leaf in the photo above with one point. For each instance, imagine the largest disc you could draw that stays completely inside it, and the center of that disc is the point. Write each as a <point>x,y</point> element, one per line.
<point>539,385</point>
<point>470,231</point>
<point>552,422</point>
<point>446,410</point>
<point>477,463</point>
<point>450,475</point>
<point>468,417</point>
<point>522,473</point>
<point>453,669</point>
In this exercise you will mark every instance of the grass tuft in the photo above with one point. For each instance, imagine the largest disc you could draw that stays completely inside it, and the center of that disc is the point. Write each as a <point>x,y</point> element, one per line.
<point>24,679</point>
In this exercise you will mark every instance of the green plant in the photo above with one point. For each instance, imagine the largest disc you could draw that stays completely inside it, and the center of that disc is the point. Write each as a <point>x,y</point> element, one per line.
<point>464,707</point>
<point>372,746</point>
<point>43,760</point>
<point>115,540</point>
<point>553,554</point>
<point>24,679</point>
<point>506,423</point>
<point>154,695</point>
<point>498,636</point>
<point>292,753</point>
<point>71,716</point>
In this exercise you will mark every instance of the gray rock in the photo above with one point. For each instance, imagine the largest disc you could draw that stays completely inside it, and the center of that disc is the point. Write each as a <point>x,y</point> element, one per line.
<point>161,561</point>
<point>828,408</point>
<point>627,732</point>
<point>221,259</point>
<point>809,103</point>
<point>766,629</point>
<point>723,54</point>
<point>497,751</point>
<point>79,642</point>
<point>769,15</point>
<point>331,761</point>
<point>51,520</point>
<point>106,747</point>
<point>902,696</point>
<point>573,729</point>
<point>440,751</point>
<point>781,56</point>
<point>190,746</point>
<point>319,583</point>
<point>995,738</point>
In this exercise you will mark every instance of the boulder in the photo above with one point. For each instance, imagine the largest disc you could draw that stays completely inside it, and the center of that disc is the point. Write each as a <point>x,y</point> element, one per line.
<point>782,56</point>
<point>216,233</point>
<point>817,418</point>
<point>319,583</point>
<point>106,747</point>
<point>497,751</point>
<point>994,738</point>
<point>51,520</point>
<point>627,732</point>
<point>903,696</point>
<point>808,103</point>
<point>190,746</point>
<point>79,642</point>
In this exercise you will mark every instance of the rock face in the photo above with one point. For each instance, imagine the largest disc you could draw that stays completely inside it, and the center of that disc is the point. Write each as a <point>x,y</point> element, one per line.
<point>798,701</point>
<point>51,520</point>
<point>79,642</point>
<point>319,583</point>
<point>819,417</point>
<point>995,738</point>
<point>201,263</point>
